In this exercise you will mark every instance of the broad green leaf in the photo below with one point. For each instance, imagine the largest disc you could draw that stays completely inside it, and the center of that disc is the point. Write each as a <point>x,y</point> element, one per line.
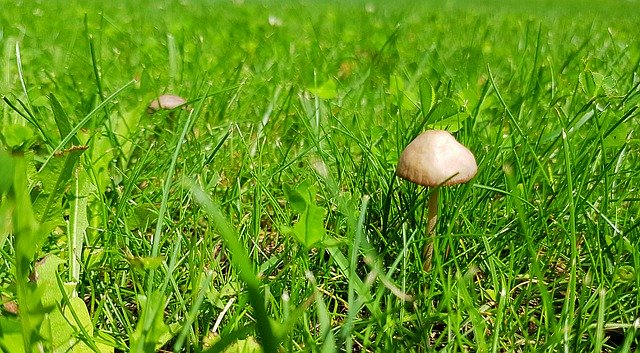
<point>6,171</point>
<point>45,275</point>
<point>51,183</point>
<point>151,332</point>
<point>25,226</point>
<point>60,330</point>
<point>78,221</point>
<point>491,293</point>
<point>309,229</point>
<point>18,137</point>
<point>444,109</point>
<point>6,212</point>
<point>101,154</point>
<point>587,83</point>
<point>6,207</point>
<point>69,319</point>
<point>405,98</point>
<point>48,212</point>
<point>409,100</point>
<point>598,79</point>
<point>609,86</point>
<point>11,335</point>
<point>40,102</point>
<point>625,274</point>
<point>326,90</point>
<point>297,200</point>
<point>142,216</point>
<point>143,262</point>
<point>126,127</point>
<point>591,82</point>
<point>147,262</point>
<point>446,116</point>
<point>248,345</point>
<point>396,85</point>
<point>451,124</point>
<point>617,137</point>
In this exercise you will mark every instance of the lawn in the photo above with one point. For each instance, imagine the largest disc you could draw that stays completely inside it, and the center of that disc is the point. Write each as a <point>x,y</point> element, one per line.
<point>265,213</point>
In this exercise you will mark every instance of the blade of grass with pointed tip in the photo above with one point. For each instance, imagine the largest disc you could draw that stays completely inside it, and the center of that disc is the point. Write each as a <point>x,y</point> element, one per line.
<point>468,306</point>
<point>84,121</point>
<point>568,308</point>
<point>194,312</point>
<point>515,123</point>
<point>96,74</point>
<point>241,261</point>
<point>28,117</point>
<point>324,318</point>
<point>21,76</point>
<point>599,336</point>
<point>62,119</point>
<point>502,302</point>
<point>28,108</point>
<point>62,178</point>
<point>351,299</point>
<point>536,272</point>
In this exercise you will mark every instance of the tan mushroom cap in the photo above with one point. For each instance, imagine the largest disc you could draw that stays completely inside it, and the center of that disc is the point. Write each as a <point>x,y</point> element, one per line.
<point>166,101</point>
<point>436,158</point>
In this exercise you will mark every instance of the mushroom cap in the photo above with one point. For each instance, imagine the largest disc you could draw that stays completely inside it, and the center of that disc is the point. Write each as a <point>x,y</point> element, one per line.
<point>166,101</point>
<point>436,158</point>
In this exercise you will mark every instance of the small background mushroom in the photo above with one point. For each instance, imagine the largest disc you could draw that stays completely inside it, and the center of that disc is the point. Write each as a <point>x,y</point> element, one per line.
<point>167,102</point>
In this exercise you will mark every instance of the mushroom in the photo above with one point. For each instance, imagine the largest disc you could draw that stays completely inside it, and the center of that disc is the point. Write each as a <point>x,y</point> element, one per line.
<point>168,102</point>
<point>434,159</point>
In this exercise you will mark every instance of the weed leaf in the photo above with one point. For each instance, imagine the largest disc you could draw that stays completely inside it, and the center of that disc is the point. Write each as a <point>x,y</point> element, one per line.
<point>78,221</point>
<point>309,229</point>
<point>151,331</point>
<point>18,137</point>
<point>326,90</point>
<point>48,203</point>
<point>297,200</point>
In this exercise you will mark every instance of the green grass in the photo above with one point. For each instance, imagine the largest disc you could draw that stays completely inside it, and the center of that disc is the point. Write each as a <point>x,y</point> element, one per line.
<point>270,214</point>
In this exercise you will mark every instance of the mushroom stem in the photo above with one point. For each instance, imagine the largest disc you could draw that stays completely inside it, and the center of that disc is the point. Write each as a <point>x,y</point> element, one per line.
<point>431,227</point>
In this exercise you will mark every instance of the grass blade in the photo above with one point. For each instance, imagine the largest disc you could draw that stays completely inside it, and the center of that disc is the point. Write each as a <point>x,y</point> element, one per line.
<point>241,261</point>
<point>62,120</point>
<point>84,121</point>
<point>351,299</point>
<point>568,308</point>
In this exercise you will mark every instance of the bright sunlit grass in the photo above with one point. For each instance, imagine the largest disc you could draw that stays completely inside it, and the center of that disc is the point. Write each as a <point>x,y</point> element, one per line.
<point>266,214</point>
